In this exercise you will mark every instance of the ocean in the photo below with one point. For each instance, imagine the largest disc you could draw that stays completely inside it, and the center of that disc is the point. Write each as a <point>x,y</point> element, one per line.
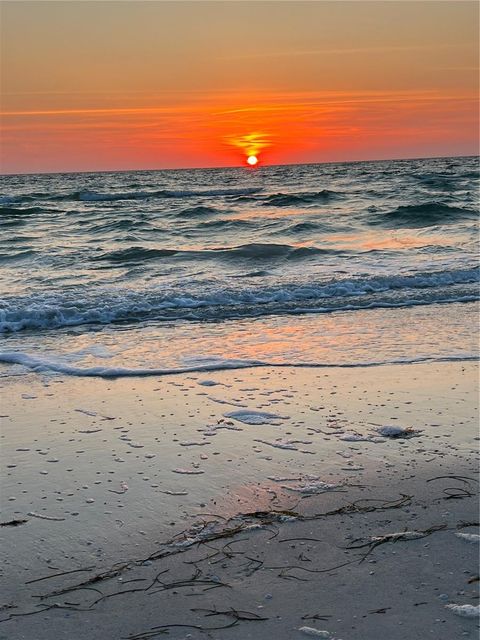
<point>157,272</point>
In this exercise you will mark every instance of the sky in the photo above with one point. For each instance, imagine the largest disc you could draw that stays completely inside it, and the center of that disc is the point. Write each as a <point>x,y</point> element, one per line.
<point>119,85</point>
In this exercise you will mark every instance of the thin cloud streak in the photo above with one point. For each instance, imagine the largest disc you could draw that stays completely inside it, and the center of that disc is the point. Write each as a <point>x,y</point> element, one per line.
<point>271,103</point>
<point>349,51</point>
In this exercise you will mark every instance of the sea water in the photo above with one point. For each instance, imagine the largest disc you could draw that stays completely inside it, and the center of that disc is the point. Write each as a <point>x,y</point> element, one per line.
<point>155,272</point>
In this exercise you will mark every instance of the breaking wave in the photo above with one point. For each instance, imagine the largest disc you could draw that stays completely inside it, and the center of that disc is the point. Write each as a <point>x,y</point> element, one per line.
<point>40,363</point>
<point>105,306</point>
<point>95,196</point>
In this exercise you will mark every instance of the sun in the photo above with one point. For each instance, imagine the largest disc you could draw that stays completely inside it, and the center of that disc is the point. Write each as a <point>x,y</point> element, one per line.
<point>252,160</point>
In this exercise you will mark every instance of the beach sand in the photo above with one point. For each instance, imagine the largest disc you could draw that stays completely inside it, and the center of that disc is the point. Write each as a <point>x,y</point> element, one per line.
<point>241,504</point>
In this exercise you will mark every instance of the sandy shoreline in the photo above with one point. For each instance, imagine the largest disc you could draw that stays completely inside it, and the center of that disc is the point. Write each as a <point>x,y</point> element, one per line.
<point>97,468</point>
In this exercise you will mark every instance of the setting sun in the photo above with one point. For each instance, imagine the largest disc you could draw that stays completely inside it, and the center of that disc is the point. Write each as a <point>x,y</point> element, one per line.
<point>248,207</point>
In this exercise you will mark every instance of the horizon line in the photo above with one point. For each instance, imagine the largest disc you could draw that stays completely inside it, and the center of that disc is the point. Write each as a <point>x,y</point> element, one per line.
<point>239,166</point>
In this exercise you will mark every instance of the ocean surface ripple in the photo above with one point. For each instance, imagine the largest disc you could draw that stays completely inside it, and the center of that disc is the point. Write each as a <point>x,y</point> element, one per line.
<point>200,255</point>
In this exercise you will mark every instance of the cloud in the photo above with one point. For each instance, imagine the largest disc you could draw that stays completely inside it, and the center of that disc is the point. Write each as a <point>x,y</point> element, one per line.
<point>349,50</point>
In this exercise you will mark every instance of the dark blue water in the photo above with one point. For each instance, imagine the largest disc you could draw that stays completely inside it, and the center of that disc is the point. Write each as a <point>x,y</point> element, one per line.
<point>153,271</point>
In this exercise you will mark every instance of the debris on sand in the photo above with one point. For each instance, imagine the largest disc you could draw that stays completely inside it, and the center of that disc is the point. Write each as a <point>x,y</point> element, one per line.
<point>14,523</point>
<point>469,537</point>
<point>283,443</point>
<point>123,488</point>
<point>175,493</point>
<point>353,436</point>
<point>32,514</point>
<point>318,633</point>
<point>465,610</point>
<point>211,430</point>
<point>92,414</point>
<point>249,416</point>
<point>403,535</point>
<point>317,486</point>
<point>380,433</point>
<point>375,541</point>
<point>397,432</point>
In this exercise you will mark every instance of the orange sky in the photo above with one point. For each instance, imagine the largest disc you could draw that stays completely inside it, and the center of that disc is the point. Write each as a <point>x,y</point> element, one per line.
<point>127,85</point>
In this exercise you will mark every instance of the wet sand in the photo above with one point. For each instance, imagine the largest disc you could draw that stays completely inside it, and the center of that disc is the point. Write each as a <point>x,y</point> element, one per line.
<point>248,489</point>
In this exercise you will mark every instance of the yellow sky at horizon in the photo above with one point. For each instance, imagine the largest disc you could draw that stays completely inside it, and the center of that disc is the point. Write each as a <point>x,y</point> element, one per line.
<point>163,84</point>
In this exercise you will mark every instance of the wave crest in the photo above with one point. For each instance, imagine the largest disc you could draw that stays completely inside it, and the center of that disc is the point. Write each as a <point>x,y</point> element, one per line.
<point>96,196</point>
<point>41,363</point>
<point>16,211</point>
<point>73,308</point>
<point>423,215</point>
<point>134,254</point>
<point>300,198</point>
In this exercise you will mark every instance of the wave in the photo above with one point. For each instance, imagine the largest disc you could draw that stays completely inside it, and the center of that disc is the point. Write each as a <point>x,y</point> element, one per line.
<point>15,257</point>
<point>227,224</point>
<point>134,254</point>
<point>249,251</point>
<point>262,273</point>
<point>25,197</point>
<point>438,181</point>
<point>15,211</point>
<point>92,196</point>
<point>40,364</point>
<point>265,251</point>
<point>105,306</point>
<point>423,215</point>
<point>17,239</point>
<point>95,196</point>
<point>122,224</point>
<point>300,198</point>
<point>304,227</point>
<point>190,212</point>
<point>291,199</point>
<point>12,222</point>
